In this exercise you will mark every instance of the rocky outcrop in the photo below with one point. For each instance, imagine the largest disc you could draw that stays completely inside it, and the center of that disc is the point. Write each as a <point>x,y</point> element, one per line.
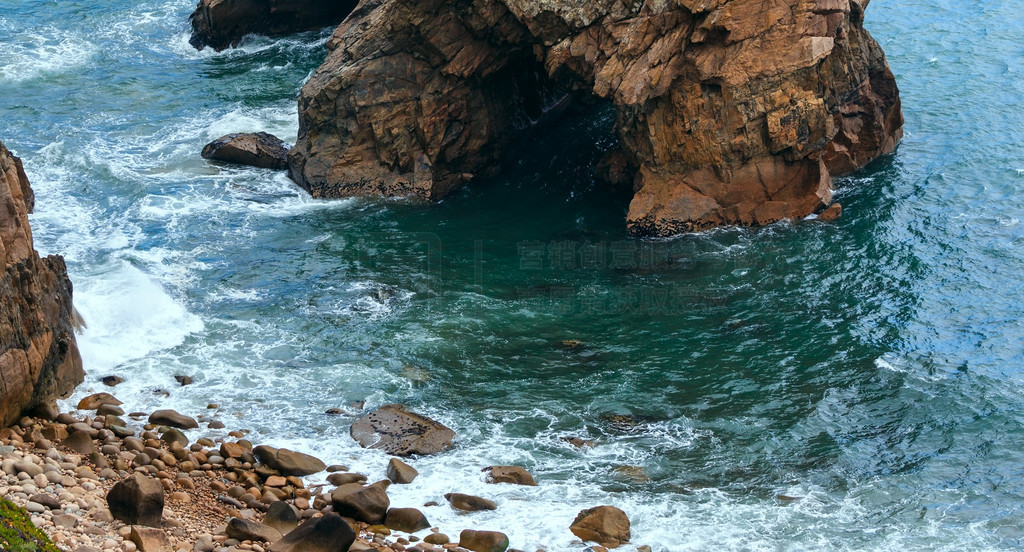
<point>259,149</point>
<point>221,24</point>
<point>729,111</point>
<point>39,359</point>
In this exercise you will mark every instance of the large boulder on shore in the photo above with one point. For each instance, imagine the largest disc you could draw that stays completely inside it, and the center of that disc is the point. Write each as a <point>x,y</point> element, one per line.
<point>406,520</point>
<point>259,149</point>
<point>289,462</point>
<point>137,500</point>
<point>368,504</point>
<point>221,24</point>
<point>39,359</point>
<point>396,430</point>
<point>483,541</point>
<point>243,530</point>
<point>172,418</point>
<point>329,533</point>
<point>729,111</point>
<point>605,525</point>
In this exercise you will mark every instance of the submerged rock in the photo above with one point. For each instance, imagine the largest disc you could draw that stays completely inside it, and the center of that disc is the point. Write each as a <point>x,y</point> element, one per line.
<point>729,112</point>
<point>39,358</point>
<point>396,430</point>
<point>259,149</point>
<point>221,24</point>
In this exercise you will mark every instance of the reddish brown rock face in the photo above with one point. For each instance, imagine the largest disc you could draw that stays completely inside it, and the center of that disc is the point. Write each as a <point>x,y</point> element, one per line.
<point>730,111</point>
<point>222,23</point>
<point>39,359</point>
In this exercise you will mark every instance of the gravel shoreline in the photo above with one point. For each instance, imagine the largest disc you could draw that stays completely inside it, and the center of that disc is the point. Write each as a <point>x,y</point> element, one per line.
<point>60,469</point>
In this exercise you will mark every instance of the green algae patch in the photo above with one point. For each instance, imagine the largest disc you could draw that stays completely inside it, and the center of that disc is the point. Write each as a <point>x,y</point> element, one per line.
<point>18,534</point>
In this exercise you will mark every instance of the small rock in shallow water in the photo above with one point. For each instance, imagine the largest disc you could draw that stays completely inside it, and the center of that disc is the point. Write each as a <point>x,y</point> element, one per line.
<point>401,473</point>
<point>112,381</point>
<point>254,149</point>
<point>470,503</point>
<point>510,474</point>
<point>92,402</point>
<point>833,212</point>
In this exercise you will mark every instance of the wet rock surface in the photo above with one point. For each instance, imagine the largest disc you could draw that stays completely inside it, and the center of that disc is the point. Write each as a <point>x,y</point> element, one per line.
<point>39,358</point>
<point>729,112</point>
<point>398,431</point>
<point>221,24</point>
<point>258,149</point>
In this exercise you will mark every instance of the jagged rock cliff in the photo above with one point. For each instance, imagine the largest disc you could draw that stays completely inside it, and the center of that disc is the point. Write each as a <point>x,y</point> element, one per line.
<point>39,359</point>
<point>729,111</point>
<point>222,23</point>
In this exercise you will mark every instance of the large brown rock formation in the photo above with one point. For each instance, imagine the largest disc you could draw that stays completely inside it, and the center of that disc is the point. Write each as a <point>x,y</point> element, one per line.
<point>729,111</point>
<point>39,360</point>
<point>222,23</point>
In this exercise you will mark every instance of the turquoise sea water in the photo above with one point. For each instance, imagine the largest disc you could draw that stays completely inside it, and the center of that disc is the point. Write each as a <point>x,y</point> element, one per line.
<point>805,386</point>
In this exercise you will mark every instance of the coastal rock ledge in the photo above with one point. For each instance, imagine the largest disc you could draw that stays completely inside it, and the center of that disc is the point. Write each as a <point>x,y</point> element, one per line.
<point>39,359</point>
<point>729,111</point>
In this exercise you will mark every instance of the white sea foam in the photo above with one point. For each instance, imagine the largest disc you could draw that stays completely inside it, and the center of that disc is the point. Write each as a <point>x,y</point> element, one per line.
<point>280,120</point>
<point>35,53</point>
<point>128,316</point>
